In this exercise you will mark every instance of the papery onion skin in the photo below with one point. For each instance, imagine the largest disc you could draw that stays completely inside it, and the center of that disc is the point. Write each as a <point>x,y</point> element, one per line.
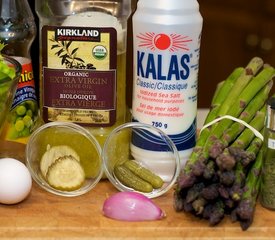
<point>131,206</point>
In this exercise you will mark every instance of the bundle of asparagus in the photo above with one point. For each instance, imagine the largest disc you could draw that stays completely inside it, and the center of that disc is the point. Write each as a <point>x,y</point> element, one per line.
<point>221,177</point>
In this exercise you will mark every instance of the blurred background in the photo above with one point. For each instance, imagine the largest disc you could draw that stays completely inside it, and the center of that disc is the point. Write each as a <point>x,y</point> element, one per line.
<point>234,31</point>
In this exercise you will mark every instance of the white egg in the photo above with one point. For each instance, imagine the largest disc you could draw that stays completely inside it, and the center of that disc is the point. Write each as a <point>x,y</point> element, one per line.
<point>15,181</point>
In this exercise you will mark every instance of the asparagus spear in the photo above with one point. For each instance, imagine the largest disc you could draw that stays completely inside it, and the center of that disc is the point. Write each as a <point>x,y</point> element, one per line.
<point>252,151</point>
<point>241,102</point>
<point>250,70</point>
<point>246,207</point>
<point>239,78</point>
<point>214,212</point>
<point>241,170</point>
<point>237,175</point>
<point>237,152</point>
<point>187,177</point>
<point>209,171</point>
<point>219,97</point>
<point>199,189</point>
<point>227,178</point>
<point>243,141</point>
<point>221,93</point>
<point>236,128</point>
<point>231,155</point>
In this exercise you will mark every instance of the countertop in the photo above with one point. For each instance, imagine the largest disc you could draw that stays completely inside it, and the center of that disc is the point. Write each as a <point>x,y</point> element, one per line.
<point>46,216</point>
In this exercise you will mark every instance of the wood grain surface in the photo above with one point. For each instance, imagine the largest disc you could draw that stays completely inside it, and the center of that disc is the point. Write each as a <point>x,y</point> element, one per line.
<point>46,216</point>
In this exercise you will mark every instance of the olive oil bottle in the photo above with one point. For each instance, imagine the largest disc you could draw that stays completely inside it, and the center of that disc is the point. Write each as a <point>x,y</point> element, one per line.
<point>83,62</point>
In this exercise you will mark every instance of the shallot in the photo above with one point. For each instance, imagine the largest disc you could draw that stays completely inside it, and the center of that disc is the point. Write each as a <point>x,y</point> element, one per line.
<point>131,206</point>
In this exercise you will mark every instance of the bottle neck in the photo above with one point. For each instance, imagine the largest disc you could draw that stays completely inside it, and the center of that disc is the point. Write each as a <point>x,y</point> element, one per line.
<point>12,10</point>
<point>17,27</point>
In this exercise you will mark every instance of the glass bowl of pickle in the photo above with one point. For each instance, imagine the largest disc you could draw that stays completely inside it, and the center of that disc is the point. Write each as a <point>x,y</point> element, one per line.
<point>64,159</point>
<point>10,72</point>
<point>141,158</point>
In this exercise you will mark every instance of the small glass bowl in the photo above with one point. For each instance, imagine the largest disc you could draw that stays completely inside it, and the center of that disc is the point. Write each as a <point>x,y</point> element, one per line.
<point>72,135</point>
<point>135,141</point>
<point>8,88</point>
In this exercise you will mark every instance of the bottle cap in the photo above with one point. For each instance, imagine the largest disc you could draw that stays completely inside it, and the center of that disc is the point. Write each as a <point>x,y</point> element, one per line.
<point>270,118</point>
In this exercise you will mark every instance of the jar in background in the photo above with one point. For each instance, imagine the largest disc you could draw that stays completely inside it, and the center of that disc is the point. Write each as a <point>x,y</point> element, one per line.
<point>17,32</point>
<point>83,75</point>
<point>267,193</point>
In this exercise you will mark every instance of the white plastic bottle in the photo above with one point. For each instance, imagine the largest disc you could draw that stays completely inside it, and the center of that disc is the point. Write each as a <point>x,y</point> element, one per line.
<point>166,43</point>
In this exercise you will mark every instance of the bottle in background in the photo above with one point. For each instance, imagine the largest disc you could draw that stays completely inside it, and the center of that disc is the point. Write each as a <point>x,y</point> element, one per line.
<point>267,193</point>
<point>166,47</point>
<point>17,32</point>
<point>83,74</point>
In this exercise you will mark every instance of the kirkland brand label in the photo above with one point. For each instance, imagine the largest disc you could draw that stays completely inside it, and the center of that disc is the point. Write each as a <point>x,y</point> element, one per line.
<point>79,75</point>
<point>165,86</point>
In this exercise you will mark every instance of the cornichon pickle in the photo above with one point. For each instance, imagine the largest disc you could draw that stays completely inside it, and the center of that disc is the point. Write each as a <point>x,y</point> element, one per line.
<point>144,173</point>
<point>129,179</point>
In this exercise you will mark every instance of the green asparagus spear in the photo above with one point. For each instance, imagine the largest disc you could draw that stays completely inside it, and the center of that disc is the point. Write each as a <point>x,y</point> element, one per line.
<point>247,135</point>
<point>186,177</point>
<point>247,74</point>
<point>234,153</point>
<point>246,207</point>
<point>238,153</point>
<point>218,99</point>
<point>253,149</point>
<point>245,158</point>
<point>199,189</point>
<point>236,128</point>
<point>221,93</point>
<point>247,115</point>
<point>250,91</point>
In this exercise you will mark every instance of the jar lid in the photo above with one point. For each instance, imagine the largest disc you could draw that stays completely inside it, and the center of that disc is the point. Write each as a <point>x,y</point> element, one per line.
<point>270,118</point>
<point>271,102</point>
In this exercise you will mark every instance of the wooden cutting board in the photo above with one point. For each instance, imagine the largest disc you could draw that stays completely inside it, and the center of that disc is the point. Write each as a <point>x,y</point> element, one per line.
<point>12,149</point>
<point>46,216</point>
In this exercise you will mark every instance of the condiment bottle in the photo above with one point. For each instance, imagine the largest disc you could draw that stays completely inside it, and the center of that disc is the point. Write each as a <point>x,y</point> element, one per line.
<point>166,43</point>
<point>267,193</point>
<point>17,32</point>
<point>83,62</point>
